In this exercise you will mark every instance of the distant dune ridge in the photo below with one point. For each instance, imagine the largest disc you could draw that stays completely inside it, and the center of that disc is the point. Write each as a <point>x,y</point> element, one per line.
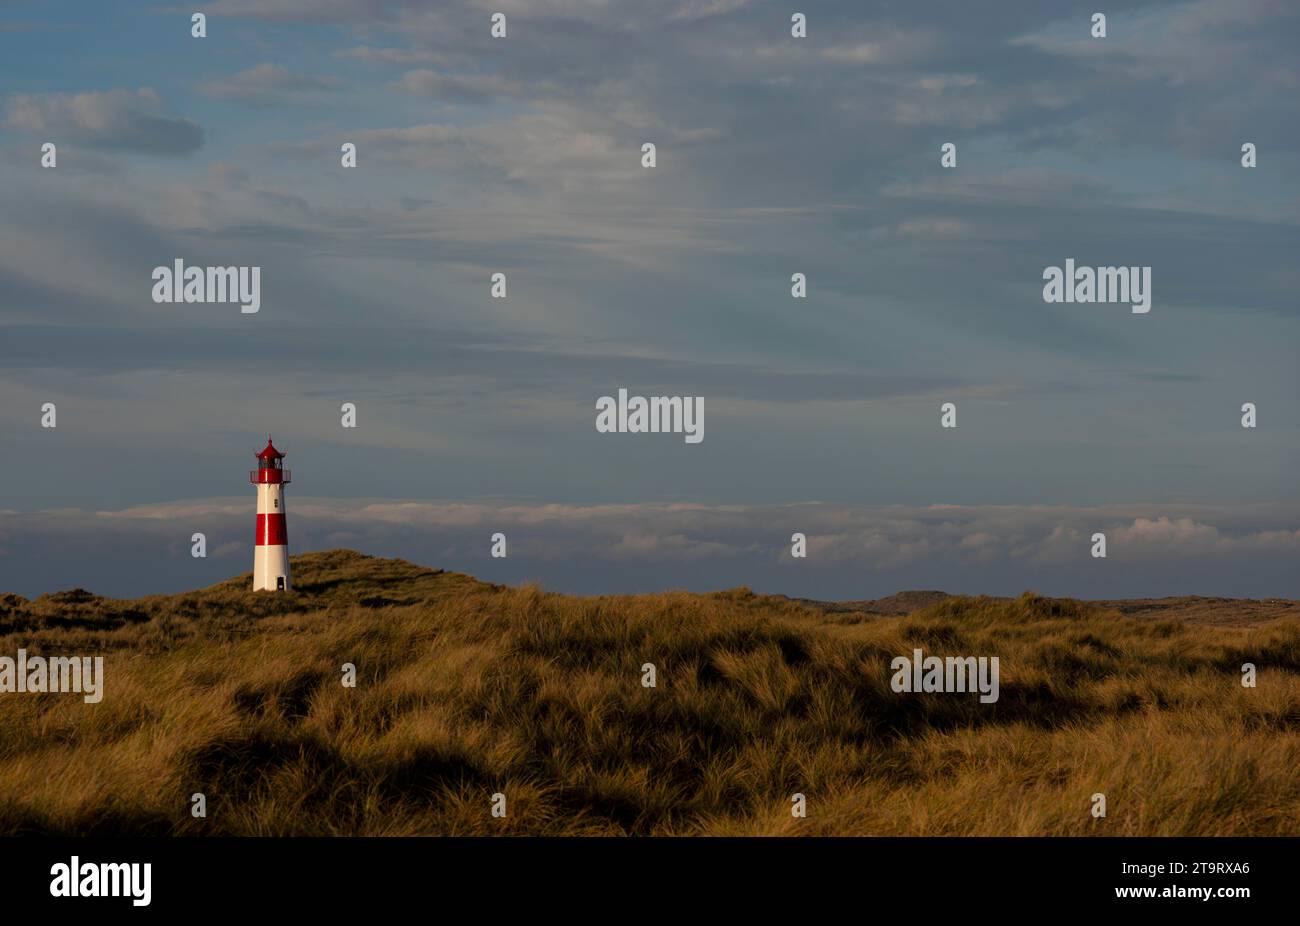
<point>1191,608</point>
<point>467,689</point>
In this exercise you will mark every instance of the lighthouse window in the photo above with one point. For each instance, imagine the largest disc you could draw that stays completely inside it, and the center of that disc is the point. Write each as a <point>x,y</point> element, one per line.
<point>275,502</point>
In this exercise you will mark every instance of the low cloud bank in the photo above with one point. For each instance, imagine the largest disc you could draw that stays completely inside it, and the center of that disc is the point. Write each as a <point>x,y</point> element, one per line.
<point>852,552</point>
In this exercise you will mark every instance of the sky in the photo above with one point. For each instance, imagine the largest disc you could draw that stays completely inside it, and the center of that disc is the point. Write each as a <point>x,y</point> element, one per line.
<point>775,155</point>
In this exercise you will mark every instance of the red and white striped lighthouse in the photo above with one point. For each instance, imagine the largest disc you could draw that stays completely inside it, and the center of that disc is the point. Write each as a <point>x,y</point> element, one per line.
<point>271,555</point>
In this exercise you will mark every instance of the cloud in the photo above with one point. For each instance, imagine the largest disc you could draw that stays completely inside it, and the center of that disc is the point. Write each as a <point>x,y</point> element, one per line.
<point>691,10</point>
<point>113,120</point>
<point>271,85</point>
<point>1205,71</point>
<point>455,88</point>
<point>861,53</point>
<point>1147,536</point>
<point>853,551</point>
<point>541,149</point>
<point>310,10</point>
<point>927,227</point>
<point>390,55</point>
<point>937,83</point>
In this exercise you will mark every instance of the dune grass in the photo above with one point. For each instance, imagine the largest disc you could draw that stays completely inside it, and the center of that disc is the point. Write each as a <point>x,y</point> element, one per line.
<point>466,689</point>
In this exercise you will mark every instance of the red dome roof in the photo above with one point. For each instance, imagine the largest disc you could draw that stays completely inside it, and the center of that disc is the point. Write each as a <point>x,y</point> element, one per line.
<point>269,452</point>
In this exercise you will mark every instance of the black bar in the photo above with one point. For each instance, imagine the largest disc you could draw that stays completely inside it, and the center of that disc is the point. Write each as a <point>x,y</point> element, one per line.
<point>636,878</point>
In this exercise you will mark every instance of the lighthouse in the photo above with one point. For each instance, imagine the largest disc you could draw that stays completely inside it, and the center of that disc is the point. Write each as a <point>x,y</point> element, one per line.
<point>271,554</point>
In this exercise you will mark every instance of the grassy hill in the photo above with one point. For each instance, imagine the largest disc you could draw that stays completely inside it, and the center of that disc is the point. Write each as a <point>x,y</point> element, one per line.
<point>465,689</point>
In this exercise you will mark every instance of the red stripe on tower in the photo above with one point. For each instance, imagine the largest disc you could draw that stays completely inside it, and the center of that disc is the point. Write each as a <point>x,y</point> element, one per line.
<point>271,531</point>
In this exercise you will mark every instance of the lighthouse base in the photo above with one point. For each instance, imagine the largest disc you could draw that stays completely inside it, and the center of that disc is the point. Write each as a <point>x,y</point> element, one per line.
<point>271,569</point>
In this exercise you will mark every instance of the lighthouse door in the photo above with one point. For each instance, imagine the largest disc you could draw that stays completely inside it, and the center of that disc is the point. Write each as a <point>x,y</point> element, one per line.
<point>279,583</point>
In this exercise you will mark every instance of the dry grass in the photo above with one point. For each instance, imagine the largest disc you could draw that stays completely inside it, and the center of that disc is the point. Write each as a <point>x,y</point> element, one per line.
<point>465,689</point>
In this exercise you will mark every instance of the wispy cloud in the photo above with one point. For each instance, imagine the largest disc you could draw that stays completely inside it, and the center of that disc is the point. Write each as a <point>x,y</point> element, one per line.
<point>113,120</point>
<point>272,85</point>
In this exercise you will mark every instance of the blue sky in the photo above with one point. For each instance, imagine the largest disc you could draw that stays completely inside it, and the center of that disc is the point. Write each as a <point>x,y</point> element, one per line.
<point>775,155</point>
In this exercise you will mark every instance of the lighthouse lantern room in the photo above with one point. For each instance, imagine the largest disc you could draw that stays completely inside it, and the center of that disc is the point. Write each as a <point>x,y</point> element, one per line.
<point>271,553</point>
